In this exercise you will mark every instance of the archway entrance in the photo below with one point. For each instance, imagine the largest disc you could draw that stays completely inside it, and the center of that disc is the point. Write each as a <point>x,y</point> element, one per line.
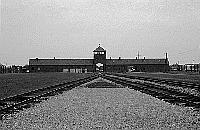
<point>99,67</point>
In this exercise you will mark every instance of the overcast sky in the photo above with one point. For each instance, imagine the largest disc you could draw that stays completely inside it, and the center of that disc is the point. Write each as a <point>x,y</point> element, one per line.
<point>74,28</point>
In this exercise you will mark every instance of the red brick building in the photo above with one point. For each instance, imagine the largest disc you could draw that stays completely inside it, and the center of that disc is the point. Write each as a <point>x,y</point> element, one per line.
<point>98,63</point>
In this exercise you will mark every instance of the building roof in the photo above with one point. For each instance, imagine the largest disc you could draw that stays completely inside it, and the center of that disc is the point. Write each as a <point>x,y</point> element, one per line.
<point>61,62</point>
<point>134,61</point>
<point>99,49</point>
<point>90,61</point>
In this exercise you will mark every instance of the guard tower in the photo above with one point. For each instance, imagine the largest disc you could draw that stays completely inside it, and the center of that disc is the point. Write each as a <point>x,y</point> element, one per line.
<point>99,59</point>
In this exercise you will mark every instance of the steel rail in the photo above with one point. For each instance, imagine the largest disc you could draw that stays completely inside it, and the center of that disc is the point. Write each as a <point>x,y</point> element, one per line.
<point>172,82</point>
<point>160,92</point>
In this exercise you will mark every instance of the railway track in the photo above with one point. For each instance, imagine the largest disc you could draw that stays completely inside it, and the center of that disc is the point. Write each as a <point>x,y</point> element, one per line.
<point>170,82</point>
<point>156,90</point>
<point>19,102</point>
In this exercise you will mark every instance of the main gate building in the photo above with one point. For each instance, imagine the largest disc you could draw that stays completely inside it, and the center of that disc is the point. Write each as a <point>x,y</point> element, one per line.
<point>98,63</point>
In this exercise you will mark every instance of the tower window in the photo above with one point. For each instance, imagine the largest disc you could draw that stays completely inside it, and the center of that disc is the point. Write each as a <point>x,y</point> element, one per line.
<point>99,53</point>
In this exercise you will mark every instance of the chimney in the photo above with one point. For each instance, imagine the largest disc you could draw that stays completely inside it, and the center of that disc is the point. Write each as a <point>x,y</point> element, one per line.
<point>110,57</point>
<point>166,56</point>
<point>54,58</point>
<point>144,57</point>
<point>119,58</point>
<point>136,58</point>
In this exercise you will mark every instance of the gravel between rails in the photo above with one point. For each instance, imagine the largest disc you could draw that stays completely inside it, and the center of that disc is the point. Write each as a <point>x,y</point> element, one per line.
<point>103,108</point>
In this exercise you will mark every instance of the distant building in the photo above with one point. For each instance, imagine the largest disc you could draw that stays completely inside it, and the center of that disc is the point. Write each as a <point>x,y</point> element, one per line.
<point>186,67</point>
<point>16,69</point>
<point>176,67</point>
<point>3,69</point>
<point>192,67</point>
<point>98,63</point>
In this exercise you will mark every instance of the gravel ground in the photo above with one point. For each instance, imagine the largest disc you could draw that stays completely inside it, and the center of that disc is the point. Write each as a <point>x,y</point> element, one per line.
<point>103,108</point>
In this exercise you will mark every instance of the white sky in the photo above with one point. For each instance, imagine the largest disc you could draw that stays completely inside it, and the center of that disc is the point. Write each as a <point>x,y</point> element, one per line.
<point>74,28</point>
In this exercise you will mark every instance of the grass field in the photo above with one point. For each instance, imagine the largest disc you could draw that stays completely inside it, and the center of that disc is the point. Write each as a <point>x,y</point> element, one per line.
<point>12,84</point>
<point>181,77</point>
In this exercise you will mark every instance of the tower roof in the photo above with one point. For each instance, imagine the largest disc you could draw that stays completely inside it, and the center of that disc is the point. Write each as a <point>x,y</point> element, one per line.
<point>99,49</point>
